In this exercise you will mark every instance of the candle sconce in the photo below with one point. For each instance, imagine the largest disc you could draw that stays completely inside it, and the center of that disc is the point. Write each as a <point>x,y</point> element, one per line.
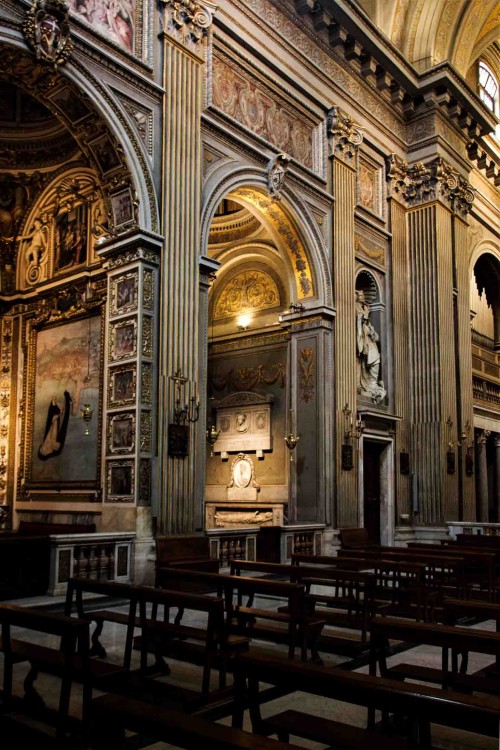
<point>190,411</point>
<point>352,430</point>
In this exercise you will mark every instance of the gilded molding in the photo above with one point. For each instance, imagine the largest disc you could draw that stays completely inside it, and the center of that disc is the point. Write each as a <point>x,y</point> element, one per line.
<point>344,134</point>
<point>5,402</point>
<point>248,377</point>
<point>420,183</point>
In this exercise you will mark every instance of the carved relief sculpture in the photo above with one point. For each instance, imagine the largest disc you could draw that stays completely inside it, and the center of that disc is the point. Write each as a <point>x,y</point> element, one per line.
<point>47,31</point>
<point>368,353</point>
<point>276,175</point>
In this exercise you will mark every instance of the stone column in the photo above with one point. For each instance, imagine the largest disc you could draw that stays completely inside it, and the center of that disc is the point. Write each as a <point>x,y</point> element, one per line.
<point>345,139</point>
<point>483,476</point>
<point>435,194</point>
<point>180,478</point>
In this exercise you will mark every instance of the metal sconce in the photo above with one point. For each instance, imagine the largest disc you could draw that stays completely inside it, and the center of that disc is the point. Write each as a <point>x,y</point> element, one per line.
<point>212,436</point>
<point>87,412</point>
<point>351,430</point>
<point>189,412</point>
<point>291,439</point>
<point>184,414</point>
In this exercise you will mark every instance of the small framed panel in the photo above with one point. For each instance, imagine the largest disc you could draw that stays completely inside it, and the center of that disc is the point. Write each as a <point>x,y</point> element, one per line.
<point>124,293</point>
<point>178,440</point>
<point>120,482</point>
<point>123,339</point>
<point>122,386</point>
<point>121,433</point>
<point>73,107</point>
<point>122,205</point>
<point>105,154</point>
<point>347,457</point>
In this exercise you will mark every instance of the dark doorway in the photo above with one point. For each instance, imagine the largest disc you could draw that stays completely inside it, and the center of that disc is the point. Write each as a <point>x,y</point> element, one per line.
<point>371,489</point>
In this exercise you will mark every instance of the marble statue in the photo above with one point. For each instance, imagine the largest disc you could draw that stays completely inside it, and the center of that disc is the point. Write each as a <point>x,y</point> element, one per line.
<point>368,353</point>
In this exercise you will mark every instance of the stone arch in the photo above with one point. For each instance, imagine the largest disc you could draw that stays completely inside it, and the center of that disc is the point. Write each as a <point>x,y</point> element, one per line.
<point>294,230</point>
<point>484,275</point>
<point>96,122</point>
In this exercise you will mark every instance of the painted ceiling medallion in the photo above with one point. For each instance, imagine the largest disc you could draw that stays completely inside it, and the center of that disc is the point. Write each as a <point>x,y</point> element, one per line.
<point>47,31</point>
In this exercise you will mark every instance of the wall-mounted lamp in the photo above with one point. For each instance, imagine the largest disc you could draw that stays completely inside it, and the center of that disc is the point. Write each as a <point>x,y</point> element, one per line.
<point>291,439</point>
<point>87,412</point>
<point>190,411</point>
<point>352,430</point>
<point>212,437</point>
<point>243,321</point>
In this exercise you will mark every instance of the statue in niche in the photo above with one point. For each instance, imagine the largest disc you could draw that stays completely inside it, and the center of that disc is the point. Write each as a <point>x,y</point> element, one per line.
<point>36,249</point>
<point>368,353</point>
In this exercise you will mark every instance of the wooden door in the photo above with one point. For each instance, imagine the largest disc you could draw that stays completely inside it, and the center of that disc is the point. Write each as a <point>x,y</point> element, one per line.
<point>371,489</point>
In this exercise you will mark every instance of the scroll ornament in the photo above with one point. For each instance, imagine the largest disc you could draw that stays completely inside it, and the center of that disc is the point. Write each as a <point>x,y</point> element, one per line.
<point>346,135</point>
<point>189,20</point>
<point>47,31</point>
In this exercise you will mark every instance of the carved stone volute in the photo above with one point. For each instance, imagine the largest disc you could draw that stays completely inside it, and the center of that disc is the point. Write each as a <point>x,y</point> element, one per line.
<point>187,21</point>
<point>345,135</point>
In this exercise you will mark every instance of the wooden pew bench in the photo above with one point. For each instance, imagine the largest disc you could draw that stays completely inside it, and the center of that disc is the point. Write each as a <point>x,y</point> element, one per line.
<point>452,640</point>
<point>344,599</point>
<point>190,551</point>
<point>113,714</point>
<point>243,617</point>
<point>91,609</point>
<point>70,661</point>
<point>422,705</point>
<point>208,643</point>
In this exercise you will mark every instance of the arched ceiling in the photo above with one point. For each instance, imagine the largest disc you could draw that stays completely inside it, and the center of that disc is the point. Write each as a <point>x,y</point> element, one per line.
<point>429,32</point>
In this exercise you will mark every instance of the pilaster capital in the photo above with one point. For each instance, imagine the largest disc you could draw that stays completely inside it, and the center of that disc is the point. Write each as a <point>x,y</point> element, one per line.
<point>188,21</point>
<point>345,136</point>
<point>420,183</point>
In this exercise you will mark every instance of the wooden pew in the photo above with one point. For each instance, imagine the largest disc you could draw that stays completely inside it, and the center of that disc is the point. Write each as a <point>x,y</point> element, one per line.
<point>113,714</point>
<point>89,609</point>
<point>210,641</point>
<point>342,598</point>
<point>294,627</point>
<point>400,587</point>
<point>444,574</point>
<point>69,660</point>
<point>454,639</point>
<point>190,551</point>
<point>422,705</point>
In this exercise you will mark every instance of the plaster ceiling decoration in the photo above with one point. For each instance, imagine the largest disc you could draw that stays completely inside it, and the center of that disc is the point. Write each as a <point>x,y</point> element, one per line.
<point>429,32</point>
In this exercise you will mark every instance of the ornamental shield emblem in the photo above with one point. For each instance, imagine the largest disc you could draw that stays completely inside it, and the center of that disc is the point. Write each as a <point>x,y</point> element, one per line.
<point>47,31</point>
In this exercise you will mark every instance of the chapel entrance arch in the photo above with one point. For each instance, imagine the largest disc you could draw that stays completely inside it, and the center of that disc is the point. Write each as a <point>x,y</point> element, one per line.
<point>262,366</point>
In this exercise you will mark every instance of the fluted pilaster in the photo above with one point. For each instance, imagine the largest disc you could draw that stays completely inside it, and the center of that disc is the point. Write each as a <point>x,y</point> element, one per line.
<point>435,195</point>
<point>464,363</point>
<point>345,139</point>
<point>402,390</point>
<point>180,478</point>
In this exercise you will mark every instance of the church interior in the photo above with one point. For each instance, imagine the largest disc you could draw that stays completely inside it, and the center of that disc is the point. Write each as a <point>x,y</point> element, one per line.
<point>250,316</point>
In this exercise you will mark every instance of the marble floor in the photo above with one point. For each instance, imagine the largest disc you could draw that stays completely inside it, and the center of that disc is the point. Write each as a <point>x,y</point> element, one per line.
<point>186,675</point>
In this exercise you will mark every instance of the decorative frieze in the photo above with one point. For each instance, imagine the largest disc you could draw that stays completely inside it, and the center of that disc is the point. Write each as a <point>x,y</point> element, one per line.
<point>345,136</point>
<point>421,183</point>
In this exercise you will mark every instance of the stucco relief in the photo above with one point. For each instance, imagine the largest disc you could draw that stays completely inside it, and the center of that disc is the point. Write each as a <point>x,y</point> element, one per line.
<point>253,290</point>
<point>328,67</point>
<point>242,99</point>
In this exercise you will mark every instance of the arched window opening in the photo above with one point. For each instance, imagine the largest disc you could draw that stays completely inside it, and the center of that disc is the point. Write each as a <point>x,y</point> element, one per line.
<point>488,87</point>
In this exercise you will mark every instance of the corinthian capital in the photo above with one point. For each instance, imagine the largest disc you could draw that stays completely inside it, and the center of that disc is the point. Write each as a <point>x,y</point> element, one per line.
<point>188,21</point>
<point>421,183</point>
<point>345,136</point>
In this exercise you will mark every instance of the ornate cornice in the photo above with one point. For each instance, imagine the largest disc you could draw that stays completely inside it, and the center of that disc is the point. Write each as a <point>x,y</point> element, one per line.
<point>187,21</point>
<point>345,135</point>
<point>421,183</point>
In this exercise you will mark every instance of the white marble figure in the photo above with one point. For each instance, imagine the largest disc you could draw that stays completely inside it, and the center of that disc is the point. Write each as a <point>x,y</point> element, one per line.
<point>368,353</point>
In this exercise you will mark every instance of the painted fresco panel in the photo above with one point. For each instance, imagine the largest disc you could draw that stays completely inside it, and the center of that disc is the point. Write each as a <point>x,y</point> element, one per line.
<point>67,376</point>
<point>114,20</point>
